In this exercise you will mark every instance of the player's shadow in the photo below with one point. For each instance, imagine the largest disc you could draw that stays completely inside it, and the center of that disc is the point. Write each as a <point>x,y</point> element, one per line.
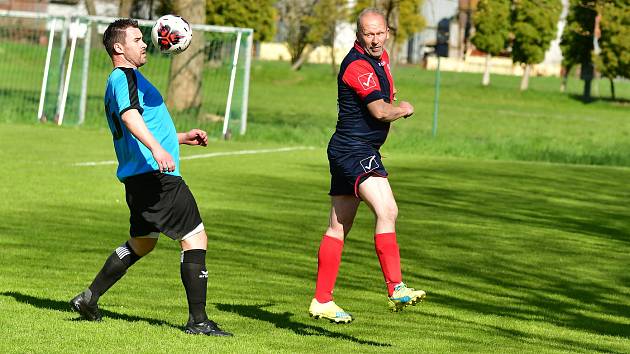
<point>49,304</point>
<point>581,98</point>
<point>283,321</point>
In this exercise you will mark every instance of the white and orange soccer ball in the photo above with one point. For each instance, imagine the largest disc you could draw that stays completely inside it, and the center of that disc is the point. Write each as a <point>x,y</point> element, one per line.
<point>171,34</point>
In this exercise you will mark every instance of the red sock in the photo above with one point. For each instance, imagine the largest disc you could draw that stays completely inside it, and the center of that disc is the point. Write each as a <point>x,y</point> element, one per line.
<point>329,259</point>
<point>389,257</point>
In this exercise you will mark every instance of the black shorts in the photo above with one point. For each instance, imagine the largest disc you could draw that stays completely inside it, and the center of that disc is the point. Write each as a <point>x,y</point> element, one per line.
<point>351,165</point>
<point>160,202</point>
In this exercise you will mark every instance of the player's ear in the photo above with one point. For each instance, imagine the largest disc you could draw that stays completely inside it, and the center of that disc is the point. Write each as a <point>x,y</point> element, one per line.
<point>387,33</point>
<point>118,48</point>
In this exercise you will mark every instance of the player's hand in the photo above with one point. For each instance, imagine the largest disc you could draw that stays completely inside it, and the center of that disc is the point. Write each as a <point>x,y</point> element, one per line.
<point>164,160</point>
<point>407,107</point>
<point>195,137</point>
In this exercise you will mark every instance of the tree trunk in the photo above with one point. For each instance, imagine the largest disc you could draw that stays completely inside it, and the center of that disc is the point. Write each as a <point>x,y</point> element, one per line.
<point>186,72</point>
<point>91,8</point>
<point>486,74</point>
<point>564,74</point>
<point>586,95</point>
<point>303,57</point>
<point>393,57</point>
<point>612,88</point>
<point>525,80</point>
<point>124,11</point>
<point>333,62</point>
<point>95,38</point>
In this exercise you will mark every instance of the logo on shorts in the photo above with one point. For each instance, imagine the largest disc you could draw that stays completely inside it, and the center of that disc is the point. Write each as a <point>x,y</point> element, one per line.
<point>367,81</point>
<point>369,163</point>
<point>204,274</point>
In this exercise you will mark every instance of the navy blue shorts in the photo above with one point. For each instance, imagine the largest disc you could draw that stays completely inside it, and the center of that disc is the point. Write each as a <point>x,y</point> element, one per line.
<point>351,165</point>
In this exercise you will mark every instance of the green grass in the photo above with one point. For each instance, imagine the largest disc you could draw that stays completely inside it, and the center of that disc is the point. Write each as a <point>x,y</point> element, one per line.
<point>513,219</point>
<point>515,256</point>
<point>496,122</point>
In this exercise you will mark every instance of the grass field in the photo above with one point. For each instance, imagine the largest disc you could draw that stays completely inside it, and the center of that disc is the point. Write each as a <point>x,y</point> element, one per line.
<point>514,220</point>
<point>515,256</point>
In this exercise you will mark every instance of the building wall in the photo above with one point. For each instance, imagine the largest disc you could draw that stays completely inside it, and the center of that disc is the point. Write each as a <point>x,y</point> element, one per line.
<point>24,5</point>
<point>103,8</point>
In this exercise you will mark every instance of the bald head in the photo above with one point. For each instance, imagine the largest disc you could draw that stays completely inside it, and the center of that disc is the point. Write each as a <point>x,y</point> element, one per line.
<point>372,31</point>
<point>370,11</point>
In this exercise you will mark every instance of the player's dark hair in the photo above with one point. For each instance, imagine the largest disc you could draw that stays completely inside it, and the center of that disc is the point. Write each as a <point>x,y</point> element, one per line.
<point>370,10</point>
<point>115,33</point>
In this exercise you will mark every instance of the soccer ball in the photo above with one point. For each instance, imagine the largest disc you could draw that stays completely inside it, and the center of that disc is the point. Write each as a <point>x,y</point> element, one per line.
<point>171,34</point>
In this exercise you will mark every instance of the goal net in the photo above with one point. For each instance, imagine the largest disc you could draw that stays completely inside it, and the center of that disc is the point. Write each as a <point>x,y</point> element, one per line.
<point>58,70</point>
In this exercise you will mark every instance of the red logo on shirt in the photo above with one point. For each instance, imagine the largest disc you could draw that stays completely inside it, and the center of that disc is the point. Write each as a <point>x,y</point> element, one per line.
<point>367,81</point>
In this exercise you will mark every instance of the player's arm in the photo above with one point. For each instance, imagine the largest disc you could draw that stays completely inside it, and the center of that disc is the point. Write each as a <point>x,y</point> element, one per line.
<point>387,112</point>
<point>193,137</point>
<point>135,124</point>
<point>362,79</point>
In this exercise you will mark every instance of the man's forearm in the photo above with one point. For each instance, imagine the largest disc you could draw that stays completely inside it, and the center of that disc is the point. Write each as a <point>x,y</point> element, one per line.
<point>181,138</point>
<point>386,112</point>
<point>134,122</point>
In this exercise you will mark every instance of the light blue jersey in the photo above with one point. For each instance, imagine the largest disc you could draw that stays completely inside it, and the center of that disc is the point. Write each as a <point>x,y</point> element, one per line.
<point>128,89</point>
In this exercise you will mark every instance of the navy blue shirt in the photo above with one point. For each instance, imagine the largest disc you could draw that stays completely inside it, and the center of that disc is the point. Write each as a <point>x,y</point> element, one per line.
<point>362,79</point>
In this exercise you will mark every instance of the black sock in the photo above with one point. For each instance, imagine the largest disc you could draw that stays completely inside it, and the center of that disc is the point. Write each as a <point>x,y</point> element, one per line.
<point>114,268</point>
<point>195,279</point>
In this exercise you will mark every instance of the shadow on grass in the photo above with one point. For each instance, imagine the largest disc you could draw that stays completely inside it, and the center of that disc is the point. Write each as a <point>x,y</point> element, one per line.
<point>283,321</point>
<point>581,98</point>
<point>56,305</point>
<point>550,342</point>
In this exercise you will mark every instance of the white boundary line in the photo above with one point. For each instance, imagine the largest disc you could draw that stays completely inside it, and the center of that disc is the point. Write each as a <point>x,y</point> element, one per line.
<point>209,155</point>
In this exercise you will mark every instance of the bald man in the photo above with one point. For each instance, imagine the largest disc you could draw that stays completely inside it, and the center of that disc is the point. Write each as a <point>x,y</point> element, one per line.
<point>365,98</point>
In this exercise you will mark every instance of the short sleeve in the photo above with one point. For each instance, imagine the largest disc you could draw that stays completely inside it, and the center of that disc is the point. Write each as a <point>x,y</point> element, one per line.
<point>361,78</point>
<point>125,89</point>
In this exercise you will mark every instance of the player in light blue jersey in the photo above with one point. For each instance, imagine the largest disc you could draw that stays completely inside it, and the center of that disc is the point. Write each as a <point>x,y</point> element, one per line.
<point>147,148</point>
<point>127,90</point>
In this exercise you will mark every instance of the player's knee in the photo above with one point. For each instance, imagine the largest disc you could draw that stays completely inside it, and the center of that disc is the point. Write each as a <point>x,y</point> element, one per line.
<point>335,230</point>
<point>142,246</point>
<point>339,230</point>
<point>388,213</point>
<point>196,241</point>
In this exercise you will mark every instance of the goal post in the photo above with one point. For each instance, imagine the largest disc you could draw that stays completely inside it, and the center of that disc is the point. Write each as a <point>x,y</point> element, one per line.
<point>31,51</point>
<point>68,69</point>
<point>224,86</point>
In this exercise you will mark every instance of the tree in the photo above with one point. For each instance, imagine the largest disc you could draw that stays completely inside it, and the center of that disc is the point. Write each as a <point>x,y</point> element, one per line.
<point>614,58</point>
<point>259,15</point>
<point>404,18</point>
<point>165,7</point>
<point>534,26</point>
<point>577,41</point>
<point>492,30</point>
<point>294,20</point>
<point>91,7</point>
<point>185,76</point>
<point>327,14</point>
<point>124,8</point>
<point>409,19</point>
